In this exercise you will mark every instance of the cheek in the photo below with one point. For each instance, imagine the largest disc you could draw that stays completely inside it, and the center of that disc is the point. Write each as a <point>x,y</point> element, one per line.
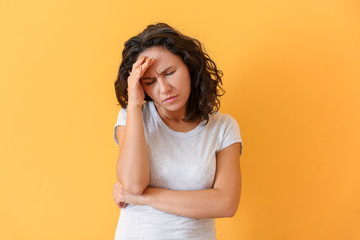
<point>187,83</point>
<point>149,90</point>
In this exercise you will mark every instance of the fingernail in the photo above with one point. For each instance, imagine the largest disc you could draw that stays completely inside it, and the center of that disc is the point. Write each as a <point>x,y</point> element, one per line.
<point>142,57</point>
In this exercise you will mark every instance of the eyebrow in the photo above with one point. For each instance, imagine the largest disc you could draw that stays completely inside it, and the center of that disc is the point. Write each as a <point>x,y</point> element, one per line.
<point>162,72</point>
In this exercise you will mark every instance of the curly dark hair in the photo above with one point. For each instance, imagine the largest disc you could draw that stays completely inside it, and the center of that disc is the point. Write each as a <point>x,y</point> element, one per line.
<point>205,91</point>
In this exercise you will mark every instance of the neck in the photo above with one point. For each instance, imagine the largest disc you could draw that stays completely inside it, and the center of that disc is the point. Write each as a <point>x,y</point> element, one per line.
<point>166,116</point>
<point>174,120</point>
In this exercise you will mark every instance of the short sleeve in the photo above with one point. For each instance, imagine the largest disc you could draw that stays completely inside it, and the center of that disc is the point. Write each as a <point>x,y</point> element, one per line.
<point>231,134</point>
<point>121,120</point>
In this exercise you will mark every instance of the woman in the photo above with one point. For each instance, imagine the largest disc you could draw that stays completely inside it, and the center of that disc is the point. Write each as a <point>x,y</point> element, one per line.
<point>178,164</point>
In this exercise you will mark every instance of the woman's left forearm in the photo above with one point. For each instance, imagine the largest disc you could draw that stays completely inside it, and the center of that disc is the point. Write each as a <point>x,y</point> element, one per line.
<point>208,203</point>
<point>220,201</point>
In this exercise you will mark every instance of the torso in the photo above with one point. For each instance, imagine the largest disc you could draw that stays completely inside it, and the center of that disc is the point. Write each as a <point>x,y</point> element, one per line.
<point>182,156</point>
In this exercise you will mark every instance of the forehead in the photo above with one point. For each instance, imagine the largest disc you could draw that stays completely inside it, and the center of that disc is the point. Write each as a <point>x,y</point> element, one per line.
<point>160,54</point>
<point>162,59</point>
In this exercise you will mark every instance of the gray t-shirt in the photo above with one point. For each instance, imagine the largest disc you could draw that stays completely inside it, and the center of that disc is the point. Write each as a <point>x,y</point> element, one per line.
<point>178,161</point>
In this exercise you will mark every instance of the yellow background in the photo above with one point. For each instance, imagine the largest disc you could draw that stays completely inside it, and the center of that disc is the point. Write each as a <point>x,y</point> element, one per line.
<point>291,71</point>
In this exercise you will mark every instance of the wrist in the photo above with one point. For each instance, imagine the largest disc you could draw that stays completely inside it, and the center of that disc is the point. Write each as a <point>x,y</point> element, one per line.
<point>134,106</point>
<point>147,196</point>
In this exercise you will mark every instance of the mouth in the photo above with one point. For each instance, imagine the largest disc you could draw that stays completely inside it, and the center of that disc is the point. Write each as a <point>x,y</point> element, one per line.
<point>169,99</point>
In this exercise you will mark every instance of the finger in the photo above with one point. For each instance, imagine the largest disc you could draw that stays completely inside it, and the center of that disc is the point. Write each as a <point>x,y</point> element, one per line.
<point>136,74</point>
<point>138,62</point>
<point>116,193</point>
<point>115,197</point>
<point>117,186</point>
<point>143,67</point>
<point>118,201</point>
<point>147,63</point>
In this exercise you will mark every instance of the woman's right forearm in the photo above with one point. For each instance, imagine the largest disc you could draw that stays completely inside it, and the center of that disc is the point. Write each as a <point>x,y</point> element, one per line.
<point>133,170</point>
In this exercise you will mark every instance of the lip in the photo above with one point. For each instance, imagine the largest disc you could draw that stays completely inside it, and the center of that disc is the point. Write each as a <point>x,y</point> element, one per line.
<point>169,99</point>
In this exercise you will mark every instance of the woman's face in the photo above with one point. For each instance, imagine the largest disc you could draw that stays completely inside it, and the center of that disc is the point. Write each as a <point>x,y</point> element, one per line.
<point>167,80</point>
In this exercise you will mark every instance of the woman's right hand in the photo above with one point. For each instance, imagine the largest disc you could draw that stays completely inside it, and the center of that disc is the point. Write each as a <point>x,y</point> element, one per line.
<point>136,94</point>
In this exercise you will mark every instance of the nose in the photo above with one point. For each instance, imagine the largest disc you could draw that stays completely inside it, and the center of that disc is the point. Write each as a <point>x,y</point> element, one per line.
<point>165,87</point>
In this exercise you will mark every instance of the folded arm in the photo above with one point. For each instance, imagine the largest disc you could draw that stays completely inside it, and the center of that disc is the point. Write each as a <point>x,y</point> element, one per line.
<point>133,170</point>
<point>220,201</point>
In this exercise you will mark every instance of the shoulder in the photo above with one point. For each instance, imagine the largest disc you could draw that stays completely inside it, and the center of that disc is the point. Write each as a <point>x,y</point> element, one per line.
<point>225,128</point>
<point>222,120</point>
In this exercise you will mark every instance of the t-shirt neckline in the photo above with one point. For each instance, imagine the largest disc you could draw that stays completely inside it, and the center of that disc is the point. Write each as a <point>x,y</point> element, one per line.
<point>193,131</point>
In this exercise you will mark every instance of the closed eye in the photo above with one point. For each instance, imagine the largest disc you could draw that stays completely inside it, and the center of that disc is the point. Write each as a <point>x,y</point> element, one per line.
<point>149,83</point>
<point>170,73</point>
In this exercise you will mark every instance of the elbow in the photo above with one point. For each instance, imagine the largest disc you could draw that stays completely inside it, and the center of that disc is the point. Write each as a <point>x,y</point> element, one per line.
<point>231,209</point>
<point>231,212</point>
<point>135,189</point>
<point>132,188</point>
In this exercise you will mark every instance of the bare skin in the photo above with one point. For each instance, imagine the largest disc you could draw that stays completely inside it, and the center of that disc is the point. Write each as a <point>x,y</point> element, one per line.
<point>133,170</point>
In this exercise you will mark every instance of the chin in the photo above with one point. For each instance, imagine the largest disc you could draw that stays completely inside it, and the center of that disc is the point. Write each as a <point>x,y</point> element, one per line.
<point>172,107</point>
